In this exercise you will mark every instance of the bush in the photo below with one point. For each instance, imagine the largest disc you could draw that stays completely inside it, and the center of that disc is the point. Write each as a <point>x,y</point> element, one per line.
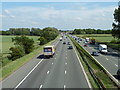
<point>16,52</point>
<point>25,42</point>
<point>42,41</point>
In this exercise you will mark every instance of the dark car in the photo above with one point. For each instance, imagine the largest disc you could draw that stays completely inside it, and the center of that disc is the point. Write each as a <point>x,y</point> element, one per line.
<point>118,72</point>
<point>94,53</point>
<point>70,47</point>
<point>64,42</point>
<point>85,45</point>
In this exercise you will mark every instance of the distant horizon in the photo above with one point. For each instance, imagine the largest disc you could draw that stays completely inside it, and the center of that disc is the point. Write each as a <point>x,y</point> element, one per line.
<point>61,15</point>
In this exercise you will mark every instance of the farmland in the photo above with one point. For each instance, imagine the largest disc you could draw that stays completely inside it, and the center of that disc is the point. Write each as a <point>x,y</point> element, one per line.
<point>6,42</point>
<point>99,37</point>
<point>102,38</point>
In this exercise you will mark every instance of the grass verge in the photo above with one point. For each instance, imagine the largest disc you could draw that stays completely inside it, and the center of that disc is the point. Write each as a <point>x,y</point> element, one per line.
<point>14,65</point>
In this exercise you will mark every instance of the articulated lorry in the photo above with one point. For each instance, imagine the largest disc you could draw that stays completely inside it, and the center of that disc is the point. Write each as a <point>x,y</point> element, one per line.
<point>49,51</point>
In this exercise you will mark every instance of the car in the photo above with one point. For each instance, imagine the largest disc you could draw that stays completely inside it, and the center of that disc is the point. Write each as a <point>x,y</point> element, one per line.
<point>85,45</point>
<point>70,47</point>
<point>68,43</point>
<point>118,72</point>
<point>64,42</point>
<point>95,53</point>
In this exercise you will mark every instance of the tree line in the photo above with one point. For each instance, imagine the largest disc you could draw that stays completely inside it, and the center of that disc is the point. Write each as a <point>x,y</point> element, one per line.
<point>91,31</point>
<point>22,31</point>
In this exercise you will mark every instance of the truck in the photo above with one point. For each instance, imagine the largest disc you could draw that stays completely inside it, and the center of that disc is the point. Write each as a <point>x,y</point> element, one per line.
<point>92,41</point>
<point>60,38</point>
<point>49,51</point>
<point>103,48</point>
<point>87,39</point>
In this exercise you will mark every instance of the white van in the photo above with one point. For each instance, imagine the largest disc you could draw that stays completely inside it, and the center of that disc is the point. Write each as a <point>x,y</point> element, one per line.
<point>103,48</point>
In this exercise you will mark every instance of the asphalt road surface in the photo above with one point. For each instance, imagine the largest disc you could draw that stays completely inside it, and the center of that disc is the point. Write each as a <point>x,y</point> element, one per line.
<point>109,61</point>
<point>62,71</point>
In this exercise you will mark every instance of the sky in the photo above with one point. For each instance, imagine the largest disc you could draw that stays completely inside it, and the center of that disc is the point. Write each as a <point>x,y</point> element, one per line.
<point>62,15</point>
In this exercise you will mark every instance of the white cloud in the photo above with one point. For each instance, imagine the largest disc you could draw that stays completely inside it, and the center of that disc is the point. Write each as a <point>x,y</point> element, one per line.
<point>99,17</point>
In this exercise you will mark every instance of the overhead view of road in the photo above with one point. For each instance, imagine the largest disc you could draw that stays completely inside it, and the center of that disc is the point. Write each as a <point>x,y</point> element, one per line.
<point>64,70</point>
<point>109,61</point>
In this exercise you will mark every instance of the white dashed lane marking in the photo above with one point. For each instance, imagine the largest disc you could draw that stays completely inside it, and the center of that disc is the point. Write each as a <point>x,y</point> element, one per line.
<point>48,72</point>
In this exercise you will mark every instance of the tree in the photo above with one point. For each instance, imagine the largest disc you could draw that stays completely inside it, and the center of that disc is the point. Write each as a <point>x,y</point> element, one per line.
<point>16,52</point>
<point>116,25</point>
<point>25,42</point>
<point>42,41</point>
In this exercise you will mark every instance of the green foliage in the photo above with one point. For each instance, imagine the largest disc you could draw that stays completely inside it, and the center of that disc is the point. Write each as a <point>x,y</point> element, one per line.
<point>116,26</point>
<point>50,33</point>
<point>16,52</point>
<point>36,31</point>
<point>19,31</point>
<point>42,41</point>
<point>25,42</point>
<point>91,31</point>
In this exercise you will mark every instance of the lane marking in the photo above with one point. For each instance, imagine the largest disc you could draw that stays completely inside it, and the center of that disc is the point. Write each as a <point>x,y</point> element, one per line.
<point>65,63</point>
<point>40,87</point>
<point>52,63</point>
<point>55,58</point>
<point>48,72</point>
<point>64,87</point>
<point>116,65</point>
<point>66,57</point>
<point>106,58</point>
<point>82,67</point>
<point>28,74</point>
<point>65,71</point>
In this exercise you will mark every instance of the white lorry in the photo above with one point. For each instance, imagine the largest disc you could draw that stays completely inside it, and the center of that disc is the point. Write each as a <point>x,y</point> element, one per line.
<point>60,38</point>
<point>87,39</point>
<point>103,48</point>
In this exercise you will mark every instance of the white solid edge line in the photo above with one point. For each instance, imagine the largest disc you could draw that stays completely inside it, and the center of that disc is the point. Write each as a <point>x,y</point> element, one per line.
<point>28,74</point>
<point>82,67</point>
<point>64,87</point>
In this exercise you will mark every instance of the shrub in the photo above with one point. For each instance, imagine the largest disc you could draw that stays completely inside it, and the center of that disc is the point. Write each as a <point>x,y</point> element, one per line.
<point>16,52</point>
<point>42,41</point>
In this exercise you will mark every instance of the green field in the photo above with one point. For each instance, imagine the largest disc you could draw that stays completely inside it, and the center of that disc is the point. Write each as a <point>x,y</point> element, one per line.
<point>6,42</point>
<point>98,37</point>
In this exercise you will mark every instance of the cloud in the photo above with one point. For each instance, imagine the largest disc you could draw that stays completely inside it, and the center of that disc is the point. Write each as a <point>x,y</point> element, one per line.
<point>98,17</point>
<point>7,13</point>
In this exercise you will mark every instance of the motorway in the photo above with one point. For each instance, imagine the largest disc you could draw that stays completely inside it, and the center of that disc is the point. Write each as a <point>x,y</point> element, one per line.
<point>64,70</point>
<point>109,61</point>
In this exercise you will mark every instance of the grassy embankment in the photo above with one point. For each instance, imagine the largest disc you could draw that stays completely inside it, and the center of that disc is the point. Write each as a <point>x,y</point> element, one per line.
<point>103,38</point>
<point>14,65</point>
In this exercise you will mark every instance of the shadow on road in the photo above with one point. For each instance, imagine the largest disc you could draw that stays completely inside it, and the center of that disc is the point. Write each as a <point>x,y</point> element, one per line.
<point>117,77</point>
<point>40,56</point>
